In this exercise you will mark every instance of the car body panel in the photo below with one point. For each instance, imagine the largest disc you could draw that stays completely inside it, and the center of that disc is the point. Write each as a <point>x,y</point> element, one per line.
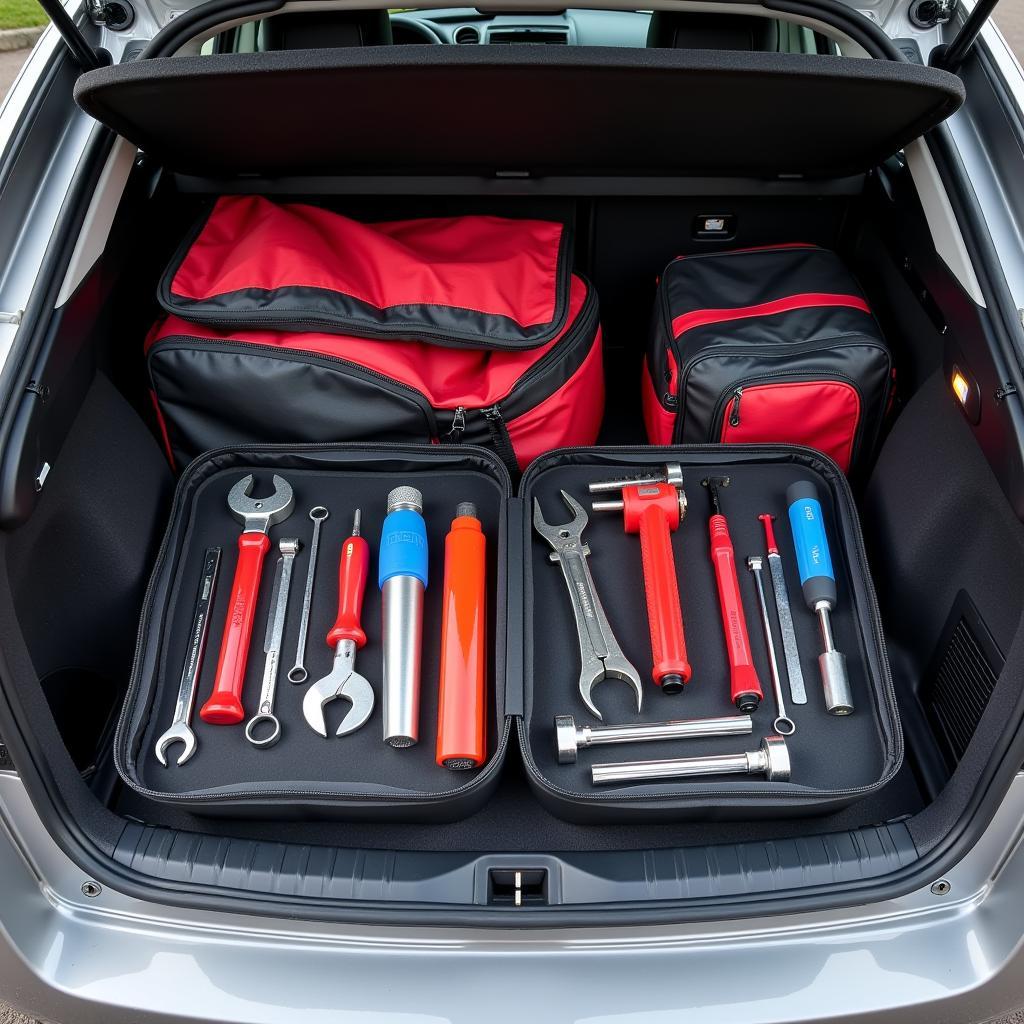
<point>935,954</point>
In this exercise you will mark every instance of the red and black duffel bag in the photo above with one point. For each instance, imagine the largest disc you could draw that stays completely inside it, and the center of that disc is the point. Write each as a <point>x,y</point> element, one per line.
<point>772,345</point>
<point>289,323</point>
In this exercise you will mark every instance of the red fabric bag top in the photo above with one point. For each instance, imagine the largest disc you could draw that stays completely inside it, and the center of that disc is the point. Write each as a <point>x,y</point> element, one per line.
<point>447,377</point>
<point>484,282</point>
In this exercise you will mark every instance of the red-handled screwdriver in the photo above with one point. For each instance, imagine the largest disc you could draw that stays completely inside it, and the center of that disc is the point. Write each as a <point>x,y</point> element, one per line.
<point>346,637</point>
<point>353,572</point>
<point>745,688</point>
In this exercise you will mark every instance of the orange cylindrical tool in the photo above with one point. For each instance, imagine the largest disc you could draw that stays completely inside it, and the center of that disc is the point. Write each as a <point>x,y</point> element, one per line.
<point>462,702</point>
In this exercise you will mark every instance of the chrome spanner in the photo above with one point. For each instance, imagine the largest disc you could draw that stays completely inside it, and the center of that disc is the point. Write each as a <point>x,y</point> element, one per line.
<point>797,690</point>
<point>181,728</point>
<point>783,724</point>
<point>298,673</point>
<point>600,654</point>
<point>289,547</point>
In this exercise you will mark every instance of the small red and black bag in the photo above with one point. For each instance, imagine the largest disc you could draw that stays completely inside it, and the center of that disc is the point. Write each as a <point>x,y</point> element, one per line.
<point>290,323</point>
<point>772,345</point>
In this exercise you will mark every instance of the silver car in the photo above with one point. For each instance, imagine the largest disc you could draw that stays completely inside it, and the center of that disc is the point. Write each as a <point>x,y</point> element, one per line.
<point>905,905</point>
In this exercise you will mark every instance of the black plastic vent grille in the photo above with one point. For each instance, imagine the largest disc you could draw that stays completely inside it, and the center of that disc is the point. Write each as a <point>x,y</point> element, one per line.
<point>963,675</point>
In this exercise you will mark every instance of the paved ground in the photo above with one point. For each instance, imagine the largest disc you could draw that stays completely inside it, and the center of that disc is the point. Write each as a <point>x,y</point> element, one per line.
<point>10,65</point>
<point>1010,17</point>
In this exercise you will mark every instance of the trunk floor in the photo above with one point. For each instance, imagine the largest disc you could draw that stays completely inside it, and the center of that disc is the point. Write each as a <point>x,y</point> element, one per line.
<point>513,821</point>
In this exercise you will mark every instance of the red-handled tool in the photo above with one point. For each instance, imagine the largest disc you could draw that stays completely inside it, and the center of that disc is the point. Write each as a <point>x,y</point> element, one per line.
<point>745,688</point>
<point>346,637</point>
<point>224,705</point>
<point>353,572</point>
<point>654,507</point>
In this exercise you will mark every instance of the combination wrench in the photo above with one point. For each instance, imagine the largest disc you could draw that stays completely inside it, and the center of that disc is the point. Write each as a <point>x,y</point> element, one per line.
<point>180,730</point>
<point>289,547</point>
<point>298,673</point>
<point>783,724</point>
<point>258,515</point>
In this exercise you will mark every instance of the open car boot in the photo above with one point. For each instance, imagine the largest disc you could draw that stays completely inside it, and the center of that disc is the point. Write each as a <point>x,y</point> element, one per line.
<point>569,506</point>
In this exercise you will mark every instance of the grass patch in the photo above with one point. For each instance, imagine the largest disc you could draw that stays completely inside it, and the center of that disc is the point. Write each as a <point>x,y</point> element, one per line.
<point>21,14</point>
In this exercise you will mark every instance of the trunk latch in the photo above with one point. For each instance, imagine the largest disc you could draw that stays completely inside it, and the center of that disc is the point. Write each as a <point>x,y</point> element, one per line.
<point>517,887</point>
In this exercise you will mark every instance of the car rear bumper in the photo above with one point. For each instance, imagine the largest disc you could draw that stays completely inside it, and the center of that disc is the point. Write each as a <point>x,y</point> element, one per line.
<point>66,956</point>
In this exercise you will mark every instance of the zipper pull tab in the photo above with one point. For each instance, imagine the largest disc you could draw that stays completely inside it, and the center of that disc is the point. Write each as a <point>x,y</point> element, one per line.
<point>734,417</point>
<point>454,436</point>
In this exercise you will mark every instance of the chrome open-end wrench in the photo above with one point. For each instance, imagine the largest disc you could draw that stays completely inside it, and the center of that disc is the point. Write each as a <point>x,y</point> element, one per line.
<point>180,730</point>
<point>600,654</point>
<point>298,673</point>
<point>289,547</point>
<point>783,724</point>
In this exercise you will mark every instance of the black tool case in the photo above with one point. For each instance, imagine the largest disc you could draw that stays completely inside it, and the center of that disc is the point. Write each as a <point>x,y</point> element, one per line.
<point>533,650</point>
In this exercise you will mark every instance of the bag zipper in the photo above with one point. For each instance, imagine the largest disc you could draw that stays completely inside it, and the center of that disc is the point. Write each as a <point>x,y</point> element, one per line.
<point>712,790</point>
<point>763,352</point>
<point>147,616</point>
<point>349,368</point>
<point>497,415</point>
<point>735,393</point>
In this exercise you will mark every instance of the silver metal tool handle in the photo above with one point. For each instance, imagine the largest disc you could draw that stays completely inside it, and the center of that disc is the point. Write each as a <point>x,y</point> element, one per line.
<point>729,725</point>
<point>402,633</point>
<point>272,646</point>
<point>677,768</point>
<point>834,677</point>
<point>790,647</point>
<point>783,724</point>
<point>771,760</point>
<point>592,624</point>
<point>298,673</point>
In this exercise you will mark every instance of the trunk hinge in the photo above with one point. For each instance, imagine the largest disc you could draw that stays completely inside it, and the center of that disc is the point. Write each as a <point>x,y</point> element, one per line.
<point>83,52</point>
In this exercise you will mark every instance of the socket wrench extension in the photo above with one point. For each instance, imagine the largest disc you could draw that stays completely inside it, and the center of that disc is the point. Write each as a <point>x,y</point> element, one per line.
<point>570,738</point>
<point>402,575</point>
<point>818,583</point>
<point>771,761</point>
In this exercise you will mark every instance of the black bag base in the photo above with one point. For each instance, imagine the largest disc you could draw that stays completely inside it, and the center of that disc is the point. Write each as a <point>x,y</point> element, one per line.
<point>835,760</point>
<point>304,775</point>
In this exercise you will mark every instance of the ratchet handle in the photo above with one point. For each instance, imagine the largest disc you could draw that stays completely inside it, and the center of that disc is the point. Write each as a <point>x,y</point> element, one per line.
<point>745,688</point>
<point>353,572</point>
<point>224,705</point>
<point>664,612</point>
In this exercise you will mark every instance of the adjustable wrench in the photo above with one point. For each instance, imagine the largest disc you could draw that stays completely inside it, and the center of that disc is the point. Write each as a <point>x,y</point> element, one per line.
<point>180,730</point>
<point>600,654</point>
<point>224,705</point>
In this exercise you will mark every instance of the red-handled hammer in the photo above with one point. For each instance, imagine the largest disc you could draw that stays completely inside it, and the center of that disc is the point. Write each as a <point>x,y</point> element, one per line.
<point>654,506</point>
